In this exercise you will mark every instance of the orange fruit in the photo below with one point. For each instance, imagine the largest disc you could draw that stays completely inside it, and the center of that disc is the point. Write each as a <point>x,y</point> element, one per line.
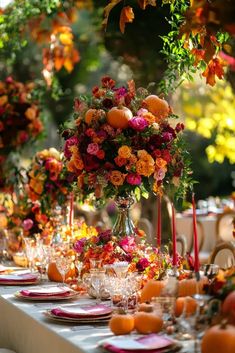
<point>147,322</point>
<point>189,303</point>
<point>54,274</point>
<point>121,324</point>
<point>157,106</point>
<point>90,115</point>
<point>151,289</point>
<point>219,338</point>
<point>119,117</point>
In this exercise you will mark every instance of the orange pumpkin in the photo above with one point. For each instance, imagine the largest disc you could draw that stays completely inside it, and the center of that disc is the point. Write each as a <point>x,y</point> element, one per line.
<point>148,322</point>
<point>54,274</point>
<point>157,106</point>
<point>147,308</point>
<point>189,287</point>
<point>121,324</point>
<point>151,289</point>
<point>228,307</point>
<point>118,117</point>
<point>219,338</point>
<point>187,303</point>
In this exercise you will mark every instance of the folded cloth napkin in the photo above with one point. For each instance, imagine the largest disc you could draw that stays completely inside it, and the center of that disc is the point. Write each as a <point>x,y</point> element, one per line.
<point>86,311</point>
<point>52,291</point>
<point>151,343</point>
<point>28,277</point>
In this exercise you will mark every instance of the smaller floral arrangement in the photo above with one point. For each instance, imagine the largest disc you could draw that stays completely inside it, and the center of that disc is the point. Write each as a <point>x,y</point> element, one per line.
<point>124,141</point>
<point>20,121</point>
<point>222,284</point>
<point>47,180</point>
<point>109,249</point>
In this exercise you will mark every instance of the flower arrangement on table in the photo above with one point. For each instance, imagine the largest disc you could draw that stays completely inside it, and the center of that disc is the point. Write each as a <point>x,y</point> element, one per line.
<point>20,120</point>
<point>48,182</point>
<point>121,141</point>
<point>109,249</point>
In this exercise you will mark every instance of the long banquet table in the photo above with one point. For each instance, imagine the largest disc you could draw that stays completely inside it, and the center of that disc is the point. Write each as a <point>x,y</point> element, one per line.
<point>24,328</point>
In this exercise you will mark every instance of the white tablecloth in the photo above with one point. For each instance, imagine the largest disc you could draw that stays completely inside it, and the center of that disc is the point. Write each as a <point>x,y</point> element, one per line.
<point>24,329</point>
<point>184,225</point>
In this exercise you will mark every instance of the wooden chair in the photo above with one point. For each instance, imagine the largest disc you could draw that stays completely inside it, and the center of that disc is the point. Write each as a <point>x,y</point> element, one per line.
<point>223,255</point>
<point>145,225</point>
<point>224,226</point>
<point>203,255</point>
<point>181,244</point>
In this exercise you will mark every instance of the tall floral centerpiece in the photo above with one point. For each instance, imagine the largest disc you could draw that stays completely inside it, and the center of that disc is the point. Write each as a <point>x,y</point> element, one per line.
<point>122,144</point>
<point>20,125</point>
<point>48,182</point>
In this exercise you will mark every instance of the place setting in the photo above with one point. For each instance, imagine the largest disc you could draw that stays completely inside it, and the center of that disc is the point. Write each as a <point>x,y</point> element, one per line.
<point>80,314</point>
<point>46,293</point>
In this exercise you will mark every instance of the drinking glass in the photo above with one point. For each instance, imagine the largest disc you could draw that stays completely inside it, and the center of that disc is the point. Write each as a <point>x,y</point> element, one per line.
<point>30,251</point>
<point>63,264</point>
<point>97,281</point>
<point>95,263</point>
<point>165,306</point>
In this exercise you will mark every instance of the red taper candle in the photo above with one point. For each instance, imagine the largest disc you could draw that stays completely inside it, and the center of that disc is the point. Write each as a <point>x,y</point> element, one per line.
<point>71,211</point>
<point>174,256</point>
<point>159,221</point>
<point>195,239</point>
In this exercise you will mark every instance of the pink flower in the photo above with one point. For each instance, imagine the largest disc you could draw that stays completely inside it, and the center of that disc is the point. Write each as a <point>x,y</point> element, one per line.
<point>141,111</point>
<point>142,264</point>
<point>127,244</point>
<point>159,174</point>
<point>133,179</point>
<point>93,148</point>
<point>69,143</point>
<point>138,123</point>
<point>27,224</point>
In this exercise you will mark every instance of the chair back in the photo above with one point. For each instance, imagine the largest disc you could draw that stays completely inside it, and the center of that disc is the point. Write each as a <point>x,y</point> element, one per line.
<point>223,255</point>
<point>145,225</point>
<point>181,244</point>
<point>224,226</point>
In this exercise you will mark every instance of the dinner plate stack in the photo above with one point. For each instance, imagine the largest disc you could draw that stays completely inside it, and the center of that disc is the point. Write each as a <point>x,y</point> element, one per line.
<point>46,293</point>
<point>152,343</point>
<point>17,279</point>
<point>84,314</point>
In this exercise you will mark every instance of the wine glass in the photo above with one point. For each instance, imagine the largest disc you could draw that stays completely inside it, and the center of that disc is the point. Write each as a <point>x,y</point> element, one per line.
<point>97,281</point>
<point>63,264</point>
<point>30,251</point>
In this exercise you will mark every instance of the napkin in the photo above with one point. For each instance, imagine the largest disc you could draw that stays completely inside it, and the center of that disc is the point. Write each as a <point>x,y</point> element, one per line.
<point>152,343</point>
<point>88,311</point>
<point>46,292</point>
<point>19,278</point>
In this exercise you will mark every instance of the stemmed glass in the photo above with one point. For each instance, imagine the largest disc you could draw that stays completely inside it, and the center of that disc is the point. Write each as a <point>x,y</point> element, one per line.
<point>97,281</point>
<point>63,260</point>
<point>31,252</point>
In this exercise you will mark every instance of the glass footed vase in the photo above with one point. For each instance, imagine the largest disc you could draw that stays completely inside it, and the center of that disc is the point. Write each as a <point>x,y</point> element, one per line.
<point>123,225</point>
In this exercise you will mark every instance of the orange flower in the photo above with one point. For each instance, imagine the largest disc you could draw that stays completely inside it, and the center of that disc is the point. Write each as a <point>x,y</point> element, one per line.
<point>78,162</point>
<point>144,168</point>
<point>157,189</point>
<point>124,152</point>
<point>80,181</point>
<point>120,161</point>
<point>71,166</point>
<point>144,156</point>
<point>36,186</point>
<point>161,163</point>
<point>149,117</point>
<point>31,113</point>
<point>117,178</point>
<point>3,100</point>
